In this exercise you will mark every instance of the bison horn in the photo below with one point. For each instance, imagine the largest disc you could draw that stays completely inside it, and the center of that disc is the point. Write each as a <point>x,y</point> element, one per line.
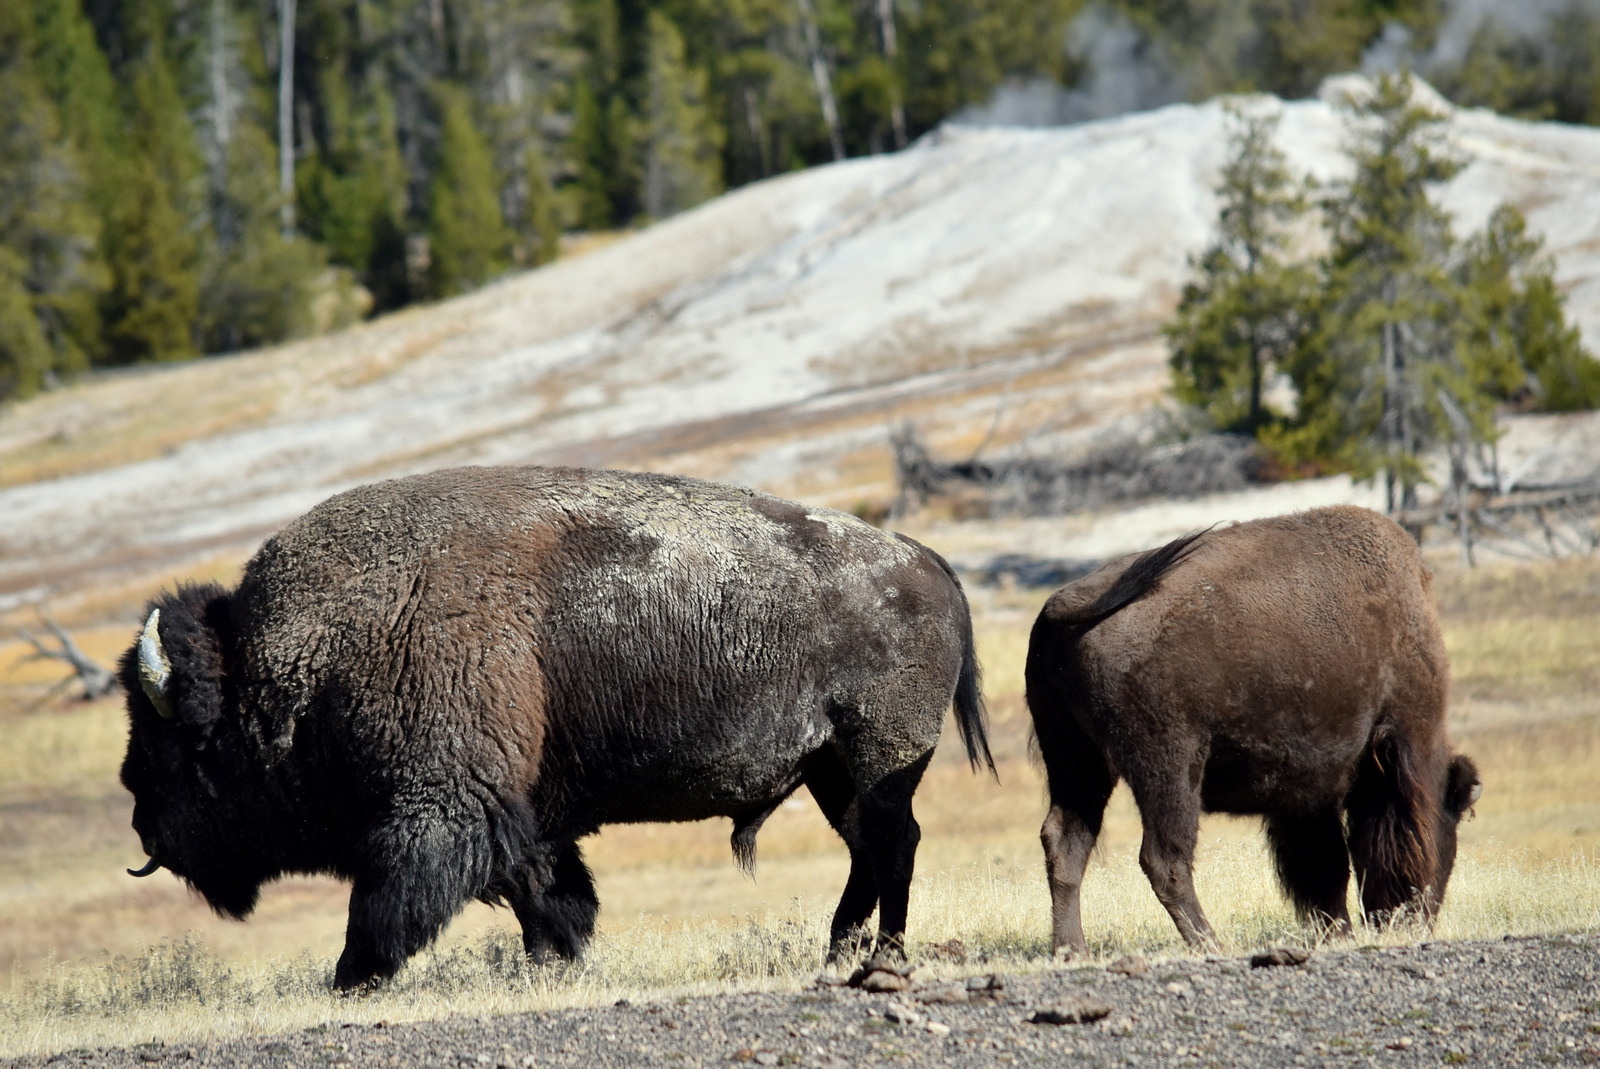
<point>155,671</point>
<point>1477,792</point>
<point>149,866</point>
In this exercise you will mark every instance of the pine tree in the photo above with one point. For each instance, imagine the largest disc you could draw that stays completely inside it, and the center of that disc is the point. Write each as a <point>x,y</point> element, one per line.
<point>592,157</point>
<point>153,233</point>
<point>682,145</point>
<point>1250,309</point>
<point>541,212</point>
<point>1387,381</point>
<point>257,285</point>
<point>468,242</point>
<point>1514,336</point>
<point>50,278</point>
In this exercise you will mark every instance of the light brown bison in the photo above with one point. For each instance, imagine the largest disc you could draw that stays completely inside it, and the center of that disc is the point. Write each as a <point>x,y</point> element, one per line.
<point>435,686</point>
<point>1289,667</point>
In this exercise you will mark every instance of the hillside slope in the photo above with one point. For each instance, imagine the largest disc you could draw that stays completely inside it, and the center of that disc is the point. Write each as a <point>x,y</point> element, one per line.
<point>1002,279</point>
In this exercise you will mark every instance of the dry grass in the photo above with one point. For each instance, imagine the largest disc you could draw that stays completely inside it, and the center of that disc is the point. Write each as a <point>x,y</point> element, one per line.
<point>180,991</point>
<point>93,957</point>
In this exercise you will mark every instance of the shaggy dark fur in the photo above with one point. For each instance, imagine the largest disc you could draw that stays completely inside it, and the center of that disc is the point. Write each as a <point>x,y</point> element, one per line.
<point>435,686</point>
<point>1289,667</point>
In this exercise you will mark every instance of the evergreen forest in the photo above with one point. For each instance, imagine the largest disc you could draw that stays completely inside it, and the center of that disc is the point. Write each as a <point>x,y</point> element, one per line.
<point>181,177</point>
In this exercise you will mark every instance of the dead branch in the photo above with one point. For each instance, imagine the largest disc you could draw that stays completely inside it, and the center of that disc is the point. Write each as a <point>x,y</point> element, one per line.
<point>97,681</point>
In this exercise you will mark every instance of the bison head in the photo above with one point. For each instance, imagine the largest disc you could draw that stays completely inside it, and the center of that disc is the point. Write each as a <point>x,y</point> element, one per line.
<point>1462,790</point>
<point>1403,813</point>
<point>180,765</point>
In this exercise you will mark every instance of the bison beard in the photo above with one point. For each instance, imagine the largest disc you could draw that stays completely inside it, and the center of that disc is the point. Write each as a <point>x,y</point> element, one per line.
<point>1289,667</point>
<point>435,686</point>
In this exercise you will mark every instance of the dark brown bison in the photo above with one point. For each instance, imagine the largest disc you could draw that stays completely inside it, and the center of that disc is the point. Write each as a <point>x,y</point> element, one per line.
<point>1289,667</point>
<point>435,686</point>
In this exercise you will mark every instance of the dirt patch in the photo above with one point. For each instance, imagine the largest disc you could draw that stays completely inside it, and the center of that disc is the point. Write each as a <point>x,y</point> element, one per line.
<point>1502,1002</point>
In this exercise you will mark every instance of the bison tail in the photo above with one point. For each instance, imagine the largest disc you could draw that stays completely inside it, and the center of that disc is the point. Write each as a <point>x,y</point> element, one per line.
<point>1139,578</point>
<point>970,715</point>
<point>1393,815</point>
<point>971,718</point>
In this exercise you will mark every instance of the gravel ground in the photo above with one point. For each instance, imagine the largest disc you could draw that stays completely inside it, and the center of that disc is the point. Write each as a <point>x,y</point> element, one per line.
<point>1511,1002</point>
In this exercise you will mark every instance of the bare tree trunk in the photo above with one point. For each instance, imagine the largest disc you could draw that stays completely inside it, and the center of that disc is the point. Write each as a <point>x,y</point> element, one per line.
<point>218,131</point>
<point>758,135</point>
<point>1408,445</point>
<point>286,115</point>
<point>819,74</point>
<point>891,48</point>
<point>1393,402</point>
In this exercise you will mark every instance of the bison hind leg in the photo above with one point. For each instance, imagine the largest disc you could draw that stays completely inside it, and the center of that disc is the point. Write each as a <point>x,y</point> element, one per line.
<point>1081,782</point>
<point>1169,811</point>
<point>830,784</point>
<point>1313,866</point>
<point>889,837</point>
<point>557,910</point>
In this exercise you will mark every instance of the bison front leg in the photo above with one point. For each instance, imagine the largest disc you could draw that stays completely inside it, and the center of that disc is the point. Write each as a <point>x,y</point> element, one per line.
<point>556,906</point>
<point>1313,866</point>
<point>413,879</point>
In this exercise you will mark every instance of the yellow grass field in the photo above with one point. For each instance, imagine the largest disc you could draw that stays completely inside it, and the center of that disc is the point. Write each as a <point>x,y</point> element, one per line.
<point>90,956</point>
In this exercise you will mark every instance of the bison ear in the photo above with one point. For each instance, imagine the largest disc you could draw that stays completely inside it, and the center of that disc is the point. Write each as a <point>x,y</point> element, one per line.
<point>193,627</point>
<point>1464,787</point>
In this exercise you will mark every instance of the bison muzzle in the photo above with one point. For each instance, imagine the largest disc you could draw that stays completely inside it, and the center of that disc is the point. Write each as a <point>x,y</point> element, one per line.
<point>435,686</point>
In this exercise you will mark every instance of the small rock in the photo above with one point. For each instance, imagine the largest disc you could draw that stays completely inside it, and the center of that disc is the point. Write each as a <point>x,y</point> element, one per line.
<point>1419,972</point>
<point>882,974</point>
<point>1403,1043</point>
<point>743,1054</point>
<point>1280,956</point>
<point>947,994</point>
<point>900,1014</point>
<point>882,981</point>
<point>1129,965</point>
<point>766,1057</point>
<point>1074,1009</point>
<point>990,988</point>
<point>937,1029</point>
<point>1182,990</point>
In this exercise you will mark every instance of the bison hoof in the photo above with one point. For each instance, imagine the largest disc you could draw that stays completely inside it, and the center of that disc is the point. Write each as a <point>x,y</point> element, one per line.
<point>353,975</point>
